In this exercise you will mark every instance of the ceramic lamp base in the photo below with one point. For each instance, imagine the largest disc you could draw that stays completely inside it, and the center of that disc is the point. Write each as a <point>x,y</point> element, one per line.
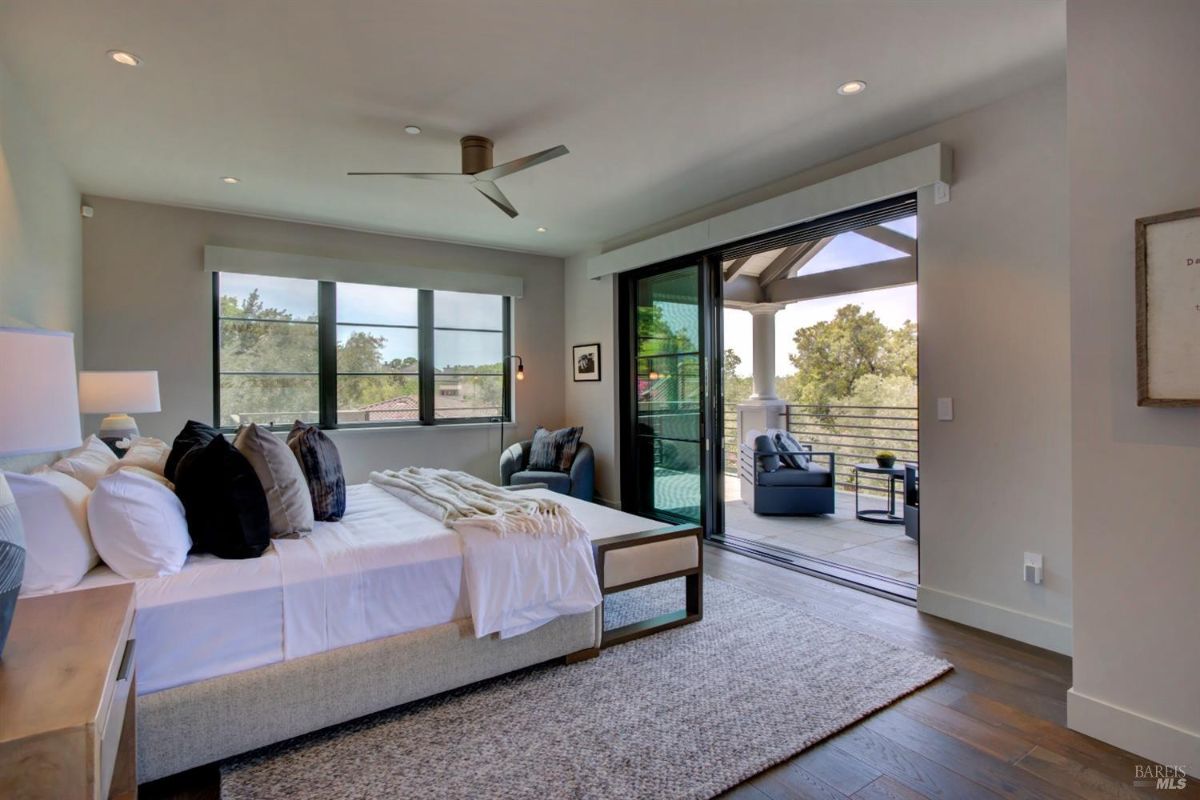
<point>12,558</point>
<point>116,427</point>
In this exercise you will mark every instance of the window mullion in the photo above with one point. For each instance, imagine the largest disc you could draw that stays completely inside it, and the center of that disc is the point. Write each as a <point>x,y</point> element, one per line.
<point>327,353</point>
<point>425,354</point>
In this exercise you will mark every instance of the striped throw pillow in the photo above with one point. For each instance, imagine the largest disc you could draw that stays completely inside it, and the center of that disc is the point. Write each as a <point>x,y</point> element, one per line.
<point>554,451</point>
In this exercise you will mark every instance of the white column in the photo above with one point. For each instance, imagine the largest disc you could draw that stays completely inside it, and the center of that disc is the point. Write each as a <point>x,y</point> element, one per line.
<point>764,351</point>
<point>764,409</point>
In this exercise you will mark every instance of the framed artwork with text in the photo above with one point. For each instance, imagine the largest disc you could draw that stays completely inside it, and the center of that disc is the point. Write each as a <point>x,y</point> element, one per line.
<point>1168,309</point>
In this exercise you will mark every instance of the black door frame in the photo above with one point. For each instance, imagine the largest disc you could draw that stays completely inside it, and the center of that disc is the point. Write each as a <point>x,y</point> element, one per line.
<point>710,294</point>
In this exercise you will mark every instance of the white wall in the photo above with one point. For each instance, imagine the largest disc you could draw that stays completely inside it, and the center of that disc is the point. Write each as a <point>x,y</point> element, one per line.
<point>590,317</point>
<point>41,272</point>
<point>993,300</point>
<point>1134,138</point>
<point>148,305</point>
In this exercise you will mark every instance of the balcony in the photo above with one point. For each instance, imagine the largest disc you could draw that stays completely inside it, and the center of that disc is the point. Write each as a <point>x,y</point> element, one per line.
<point>840,541</point>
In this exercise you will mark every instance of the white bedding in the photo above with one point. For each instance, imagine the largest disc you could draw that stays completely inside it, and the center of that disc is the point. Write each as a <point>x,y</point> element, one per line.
<point>384,569</point>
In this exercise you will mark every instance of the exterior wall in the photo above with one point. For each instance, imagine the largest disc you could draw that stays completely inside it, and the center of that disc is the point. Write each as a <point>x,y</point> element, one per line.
<point>1133,115</point>
<point>148,304</point>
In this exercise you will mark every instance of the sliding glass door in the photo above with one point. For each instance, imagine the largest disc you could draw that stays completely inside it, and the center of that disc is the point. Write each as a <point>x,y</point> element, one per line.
<point>670,388</point>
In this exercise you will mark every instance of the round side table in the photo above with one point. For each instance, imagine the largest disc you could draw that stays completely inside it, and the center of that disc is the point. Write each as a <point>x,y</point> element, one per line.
<point>883,516</point>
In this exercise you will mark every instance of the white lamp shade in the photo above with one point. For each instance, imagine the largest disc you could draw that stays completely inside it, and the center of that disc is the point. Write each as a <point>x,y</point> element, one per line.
<point>123,392</point>
<point>39,400</point>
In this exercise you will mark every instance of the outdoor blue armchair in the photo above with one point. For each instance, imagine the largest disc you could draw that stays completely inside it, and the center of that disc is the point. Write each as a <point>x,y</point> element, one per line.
<point>770,487</point>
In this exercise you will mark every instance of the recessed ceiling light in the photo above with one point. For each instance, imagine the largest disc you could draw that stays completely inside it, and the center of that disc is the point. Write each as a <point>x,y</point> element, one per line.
<point>124,57</point>
<point>852,87</point>
<point>540,229</point>
<point>230,179</point>
<point>412,130</point>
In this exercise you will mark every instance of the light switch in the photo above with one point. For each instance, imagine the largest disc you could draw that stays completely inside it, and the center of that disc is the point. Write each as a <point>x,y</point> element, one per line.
<point>945,409</point>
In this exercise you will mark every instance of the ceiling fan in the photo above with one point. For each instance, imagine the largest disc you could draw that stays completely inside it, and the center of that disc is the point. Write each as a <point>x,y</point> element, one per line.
<point>477,169</point>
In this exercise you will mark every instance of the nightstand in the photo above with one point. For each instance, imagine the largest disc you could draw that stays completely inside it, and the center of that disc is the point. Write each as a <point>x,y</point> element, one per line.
<point>67,724</point>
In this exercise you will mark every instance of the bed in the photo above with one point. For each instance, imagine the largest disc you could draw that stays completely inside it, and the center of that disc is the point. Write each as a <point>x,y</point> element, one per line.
<point>361,615</point>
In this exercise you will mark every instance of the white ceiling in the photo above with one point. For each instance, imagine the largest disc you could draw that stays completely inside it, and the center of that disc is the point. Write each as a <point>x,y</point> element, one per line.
<point>666,105</point>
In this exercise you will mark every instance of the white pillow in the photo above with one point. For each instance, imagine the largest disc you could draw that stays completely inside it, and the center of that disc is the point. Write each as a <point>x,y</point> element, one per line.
<point>58,549</point>
<point>145,452</point>
<point>138,525</point>
<point>88,463</point>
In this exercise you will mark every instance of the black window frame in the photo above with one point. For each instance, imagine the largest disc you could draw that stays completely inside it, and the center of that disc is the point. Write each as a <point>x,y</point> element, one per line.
<point>327,373</point>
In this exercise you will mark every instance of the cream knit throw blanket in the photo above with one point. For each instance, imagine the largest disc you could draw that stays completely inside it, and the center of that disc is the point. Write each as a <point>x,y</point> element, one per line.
<point>455,498</point>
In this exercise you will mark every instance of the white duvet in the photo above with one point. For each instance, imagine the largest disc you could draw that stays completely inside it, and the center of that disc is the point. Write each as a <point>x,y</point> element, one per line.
<point>384,569</point>
<point>526,558</point>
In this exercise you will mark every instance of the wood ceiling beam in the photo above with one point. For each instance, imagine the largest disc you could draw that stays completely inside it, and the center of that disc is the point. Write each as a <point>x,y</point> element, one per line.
<point>735,267</point>
<point>809,255</point>
<point>880,275</point>
<point>893,239</point>
<point>783,262</point>
<point>743,290</point>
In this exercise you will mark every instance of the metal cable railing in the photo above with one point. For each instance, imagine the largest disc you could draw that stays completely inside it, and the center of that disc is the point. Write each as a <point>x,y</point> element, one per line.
<point>855,434</point>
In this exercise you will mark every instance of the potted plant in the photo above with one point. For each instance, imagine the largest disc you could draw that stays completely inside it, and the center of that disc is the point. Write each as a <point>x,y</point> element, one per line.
<point>885,459</point>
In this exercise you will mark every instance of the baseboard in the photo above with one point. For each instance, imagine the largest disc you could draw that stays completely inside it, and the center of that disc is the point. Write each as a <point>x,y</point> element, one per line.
<point>1145,736</point>
<point>1019,625</point>
<point>604,501</point>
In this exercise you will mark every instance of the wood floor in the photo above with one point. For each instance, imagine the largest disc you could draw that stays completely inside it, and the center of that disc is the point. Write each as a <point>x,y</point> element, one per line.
<point>994,727</point>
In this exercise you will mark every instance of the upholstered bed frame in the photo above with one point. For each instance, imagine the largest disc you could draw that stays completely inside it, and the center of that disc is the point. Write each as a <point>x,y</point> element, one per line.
<point>203,722</point>
<point>199,723</point>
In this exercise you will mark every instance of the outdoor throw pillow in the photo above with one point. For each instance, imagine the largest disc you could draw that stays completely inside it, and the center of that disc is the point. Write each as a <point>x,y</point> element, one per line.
<point>784,441</point>
<point>318,457</point>
<point>764,444</point>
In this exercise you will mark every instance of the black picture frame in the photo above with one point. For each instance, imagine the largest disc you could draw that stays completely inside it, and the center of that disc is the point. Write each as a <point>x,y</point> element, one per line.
<point>585,363</point>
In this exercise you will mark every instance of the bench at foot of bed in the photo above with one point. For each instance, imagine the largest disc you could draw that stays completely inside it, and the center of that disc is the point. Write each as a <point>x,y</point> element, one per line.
<point>646,557</point>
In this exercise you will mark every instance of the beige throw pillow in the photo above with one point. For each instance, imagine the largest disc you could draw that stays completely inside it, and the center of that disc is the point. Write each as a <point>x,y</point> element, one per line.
<point>87,463</point>
<point>146,452</point>
<point>282,481</point>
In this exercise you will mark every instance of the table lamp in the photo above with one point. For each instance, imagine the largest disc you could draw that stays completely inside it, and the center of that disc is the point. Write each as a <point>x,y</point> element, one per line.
<point>39,413</point>
<point>118,394</point>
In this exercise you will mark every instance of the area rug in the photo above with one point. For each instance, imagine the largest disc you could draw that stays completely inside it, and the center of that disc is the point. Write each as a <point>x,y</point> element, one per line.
<point>686,713</point>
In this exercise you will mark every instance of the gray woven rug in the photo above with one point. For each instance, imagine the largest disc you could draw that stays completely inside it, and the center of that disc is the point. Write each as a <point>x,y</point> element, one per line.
<point>683,714</point>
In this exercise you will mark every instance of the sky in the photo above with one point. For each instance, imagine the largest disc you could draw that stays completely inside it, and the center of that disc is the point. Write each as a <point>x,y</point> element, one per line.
<point>387,305</point>
<point>893,306</point>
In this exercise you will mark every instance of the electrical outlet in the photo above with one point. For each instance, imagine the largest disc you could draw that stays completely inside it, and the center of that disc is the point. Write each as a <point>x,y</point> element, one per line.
<point>1033,568</point>
<point>945,409</point>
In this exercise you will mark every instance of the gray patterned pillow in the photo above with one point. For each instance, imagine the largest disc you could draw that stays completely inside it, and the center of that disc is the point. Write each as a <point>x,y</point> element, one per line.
<point>553,451</point>
<point>318,457</point>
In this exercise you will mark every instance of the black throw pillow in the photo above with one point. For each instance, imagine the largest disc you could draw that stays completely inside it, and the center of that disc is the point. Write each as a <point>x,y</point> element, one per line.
<point>224,501</point>
<point>318,457</point>
<point>194,433</point>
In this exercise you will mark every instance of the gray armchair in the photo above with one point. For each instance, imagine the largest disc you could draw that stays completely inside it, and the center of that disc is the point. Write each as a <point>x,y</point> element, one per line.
<point>579,482</point>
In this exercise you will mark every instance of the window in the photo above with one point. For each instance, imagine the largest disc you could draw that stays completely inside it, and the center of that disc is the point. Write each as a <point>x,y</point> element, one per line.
<point>468,355</point>
<point>346,355</point>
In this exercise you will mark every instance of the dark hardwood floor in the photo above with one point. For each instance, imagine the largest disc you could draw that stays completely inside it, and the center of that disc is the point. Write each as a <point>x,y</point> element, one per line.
<point>994,727</point>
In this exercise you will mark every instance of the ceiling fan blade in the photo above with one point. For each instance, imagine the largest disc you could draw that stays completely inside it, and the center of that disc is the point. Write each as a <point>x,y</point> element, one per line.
<point>492,192</point>
<point>456,177</point>
<point>518,164</point>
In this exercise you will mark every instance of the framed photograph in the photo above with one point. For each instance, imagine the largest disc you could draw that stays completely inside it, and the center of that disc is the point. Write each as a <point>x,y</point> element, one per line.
<point>586,358</point>
<point>1168,309</point>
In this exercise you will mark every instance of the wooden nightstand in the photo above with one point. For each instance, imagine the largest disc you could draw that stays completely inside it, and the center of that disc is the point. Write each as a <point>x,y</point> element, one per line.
<point>67,693</point>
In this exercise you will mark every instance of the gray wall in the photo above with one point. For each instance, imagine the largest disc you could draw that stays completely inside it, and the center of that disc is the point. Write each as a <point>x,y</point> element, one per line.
<point>41,278</point>
<point>148,305</point>
<point>993,298</point>
<point>1134,137</point>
